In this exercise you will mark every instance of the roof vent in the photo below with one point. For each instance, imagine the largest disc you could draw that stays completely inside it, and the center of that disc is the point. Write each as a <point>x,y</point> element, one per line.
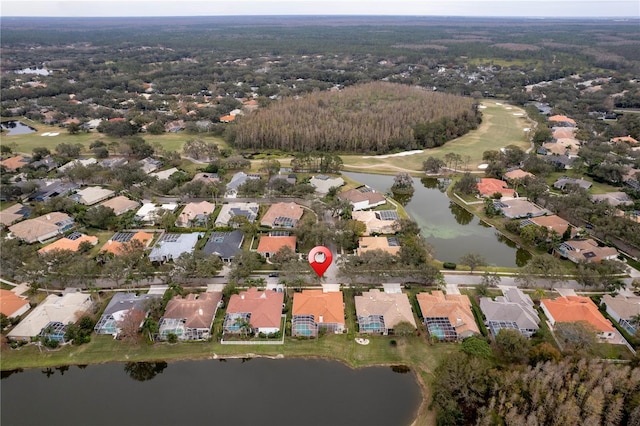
<point>200,312</point>
<point>320,318</point>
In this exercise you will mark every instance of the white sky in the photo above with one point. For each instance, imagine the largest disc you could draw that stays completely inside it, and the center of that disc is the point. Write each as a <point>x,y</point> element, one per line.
<point>135,8</point>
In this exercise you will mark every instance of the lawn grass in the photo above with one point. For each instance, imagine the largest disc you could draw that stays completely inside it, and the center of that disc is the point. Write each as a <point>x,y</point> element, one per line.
<point>596,187</point>
<point>498,129</point>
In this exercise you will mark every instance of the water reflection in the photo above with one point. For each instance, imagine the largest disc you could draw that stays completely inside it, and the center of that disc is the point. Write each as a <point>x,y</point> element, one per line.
<point>403,197</point>
<point>16,128</point>
<point>143,371</point>
<point>451,230</point>
<point>401,369</point>
<point>6,373</point>
<point>462,216</point>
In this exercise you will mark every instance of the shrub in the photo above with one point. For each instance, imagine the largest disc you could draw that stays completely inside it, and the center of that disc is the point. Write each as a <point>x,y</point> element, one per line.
<point>449,265</point>
<point>172,338</point>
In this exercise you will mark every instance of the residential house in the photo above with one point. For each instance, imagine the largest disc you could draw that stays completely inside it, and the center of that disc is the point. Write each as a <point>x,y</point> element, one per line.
<point>237,181</point>
<point>13,214</point>
<point>42,228</point>
<point>261,310</point>
<point>247,210</point>
<point>517,175</point>
<point>47,163</point>
<point>624,309</point>
<point>613,198</point>
<point>149,165</point>
<point>562,120</point>
<point>225,245</point>
<point>71,243</point>
<point>112,163</point>
<point>174,126</point>
<point>121,305</point>
<point>92,195</point>
<point>565,182</point>
<point>363,198</point>
<point>77,162</point>
<point>447,316</point>
<point>553,223</point>
<point>13,164</point>
<point>564,146</point>
<point>290,178</point>
<point>282,215</point>
<point>164,174</point>
<point>324,183</point>
<point>315,310</point>
<point>120,205</point>
<point>116,243</point>
<point>377,222</point>
<point>206,178</point>
<point>558,133</point>
<point>65,309</point>
<point>624,139</point>
<point>270,245</point>
<point>514,311</point>
<point>379,312</point>
<point>586,250</point>
<point>171,246</point>
<point>227,118</point>
<point>574,309</point>
<point>516,208</point>
<point>390,245</point>
<point>190,318</point>
<point>487,187</point>
<point>12,305</point>
<point>195,214</point>
<point>52,188</point>
<point>149,213</point>
<point>561,162</point>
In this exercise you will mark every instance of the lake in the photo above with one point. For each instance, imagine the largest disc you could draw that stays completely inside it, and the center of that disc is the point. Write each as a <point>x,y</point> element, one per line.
<point>256,392</point>
<point>16,128</point>
<point>447,227</point>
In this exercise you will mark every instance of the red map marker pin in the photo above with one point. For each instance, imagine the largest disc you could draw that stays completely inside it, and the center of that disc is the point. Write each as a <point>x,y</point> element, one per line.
<point>320,258</point>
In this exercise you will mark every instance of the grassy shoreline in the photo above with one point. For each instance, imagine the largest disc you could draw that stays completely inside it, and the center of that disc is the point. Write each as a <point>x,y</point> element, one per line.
<point>414,352</point>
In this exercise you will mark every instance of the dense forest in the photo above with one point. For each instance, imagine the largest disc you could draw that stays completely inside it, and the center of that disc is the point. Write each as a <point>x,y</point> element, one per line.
<point>374,117</point>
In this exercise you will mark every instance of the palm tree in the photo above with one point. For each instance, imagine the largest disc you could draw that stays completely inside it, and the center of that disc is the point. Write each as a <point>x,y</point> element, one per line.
<point>244,326</point>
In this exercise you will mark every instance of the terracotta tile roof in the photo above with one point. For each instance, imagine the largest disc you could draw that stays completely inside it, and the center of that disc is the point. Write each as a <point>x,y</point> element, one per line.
<point>227,118</point>
<point>282,210</point>
<point>577,308</point>
<point>325,307</point>
<point>15,162</point>
<point>489,186</point>
<point>10,303</point>
<point>265,307</point>
<point>455,307</point>
<point>552,223</point>
<point>562,119</point>
<point>366,244</point>
<point>115,247</point>
<point>627,139</point>
<point>197,310</point>
<point>67,244</point>
<point>270,244</point>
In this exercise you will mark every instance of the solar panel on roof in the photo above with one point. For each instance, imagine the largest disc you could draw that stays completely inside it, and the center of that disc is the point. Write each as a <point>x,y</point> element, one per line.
<point>393,242</point>
<point>387,214</point>
<point>170,238</point>
<point>365,189</point>
<point>122,237</point>
<point>279,234</point>
<point>74,236</point>
<point>284,221</point>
